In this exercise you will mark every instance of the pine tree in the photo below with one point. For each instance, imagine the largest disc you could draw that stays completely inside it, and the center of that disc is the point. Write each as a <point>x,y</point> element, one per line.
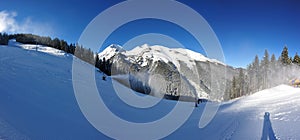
<point>72,48</point>
<point>97,64</point>
<point>256,64</point>
<point>250,72</point>
<point>103,64</point>
<point>257,77</point>
<point>296,59</point>
<point>273,63</point>
<point>273,60</point>
<point>227,94</point>
<point>55,43</point>
<point>108,67</point>
<point>4,39</point>
<point>233,93</point>
<point>241,83</point>
<point>285,56</point>
<point>273,70</point>
<point>265,69</point>
<point>246,84</point>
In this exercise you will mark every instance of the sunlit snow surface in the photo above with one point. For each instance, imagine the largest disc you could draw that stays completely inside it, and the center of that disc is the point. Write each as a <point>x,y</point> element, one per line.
<point>38,48</point>
<point>37,101</point>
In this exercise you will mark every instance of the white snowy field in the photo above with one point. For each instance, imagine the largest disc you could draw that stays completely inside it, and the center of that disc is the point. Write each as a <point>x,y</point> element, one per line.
<point>37,101</point>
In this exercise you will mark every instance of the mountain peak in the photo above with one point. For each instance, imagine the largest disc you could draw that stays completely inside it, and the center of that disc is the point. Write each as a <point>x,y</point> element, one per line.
<point>115,46</point>
<point>170,54</point>
<point>158,52</point>
<point>111,50</point>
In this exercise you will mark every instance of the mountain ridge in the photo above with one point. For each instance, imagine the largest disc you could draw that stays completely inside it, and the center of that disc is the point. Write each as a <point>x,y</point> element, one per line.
<point>182,72</point>
<point>165,50</point>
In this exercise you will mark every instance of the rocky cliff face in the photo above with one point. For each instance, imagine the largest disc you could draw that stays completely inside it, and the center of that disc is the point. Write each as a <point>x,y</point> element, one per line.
<point>173,73</point>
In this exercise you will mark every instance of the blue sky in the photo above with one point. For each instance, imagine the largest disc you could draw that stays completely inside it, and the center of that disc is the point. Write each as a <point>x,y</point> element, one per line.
<point>244,27</point>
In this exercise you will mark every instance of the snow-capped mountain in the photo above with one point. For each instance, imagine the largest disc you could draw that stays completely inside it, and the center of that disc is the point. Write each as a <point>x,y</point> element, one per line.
<point>37,102</point>
<point>156,53</point>
<point>110,51</point>
<point>175,71</point>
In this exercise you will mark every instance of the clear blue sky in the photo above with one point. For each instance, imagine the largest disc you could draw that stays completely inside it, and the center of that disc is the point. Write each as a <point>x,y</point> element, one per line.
<point>244,27</point>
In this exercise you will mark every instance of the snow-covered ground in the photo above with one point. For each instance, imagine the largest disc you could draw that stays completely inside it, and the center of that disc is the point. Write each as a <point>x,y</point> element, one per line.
<point>37,101</point>
<point>39,48</point>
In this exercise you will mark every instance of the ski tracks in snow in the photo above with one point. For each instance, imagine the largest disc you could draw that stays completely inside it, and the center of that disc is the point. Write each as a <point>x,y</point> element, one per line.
<point>230,130</point>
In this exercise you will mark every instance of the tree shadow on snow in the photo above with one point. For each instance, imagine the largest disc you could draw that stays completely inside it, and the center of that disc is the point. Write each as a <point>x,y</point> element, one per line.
<point>267,128</point>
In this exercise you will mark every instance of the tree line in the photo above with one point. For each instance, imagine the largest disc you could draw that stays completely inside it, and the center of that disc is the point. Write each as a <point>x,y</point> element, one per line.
<point>263,74</point>
<point>4,37</point>
<point>79,51</point>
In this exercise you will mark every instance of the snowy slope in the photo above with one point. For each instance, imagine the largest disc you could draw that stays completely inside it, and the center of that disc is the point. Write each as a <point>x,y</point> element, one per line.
<point>39,48</point>
<point>282,102</point>
<point>36,97</point>
<point>37,102</point>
